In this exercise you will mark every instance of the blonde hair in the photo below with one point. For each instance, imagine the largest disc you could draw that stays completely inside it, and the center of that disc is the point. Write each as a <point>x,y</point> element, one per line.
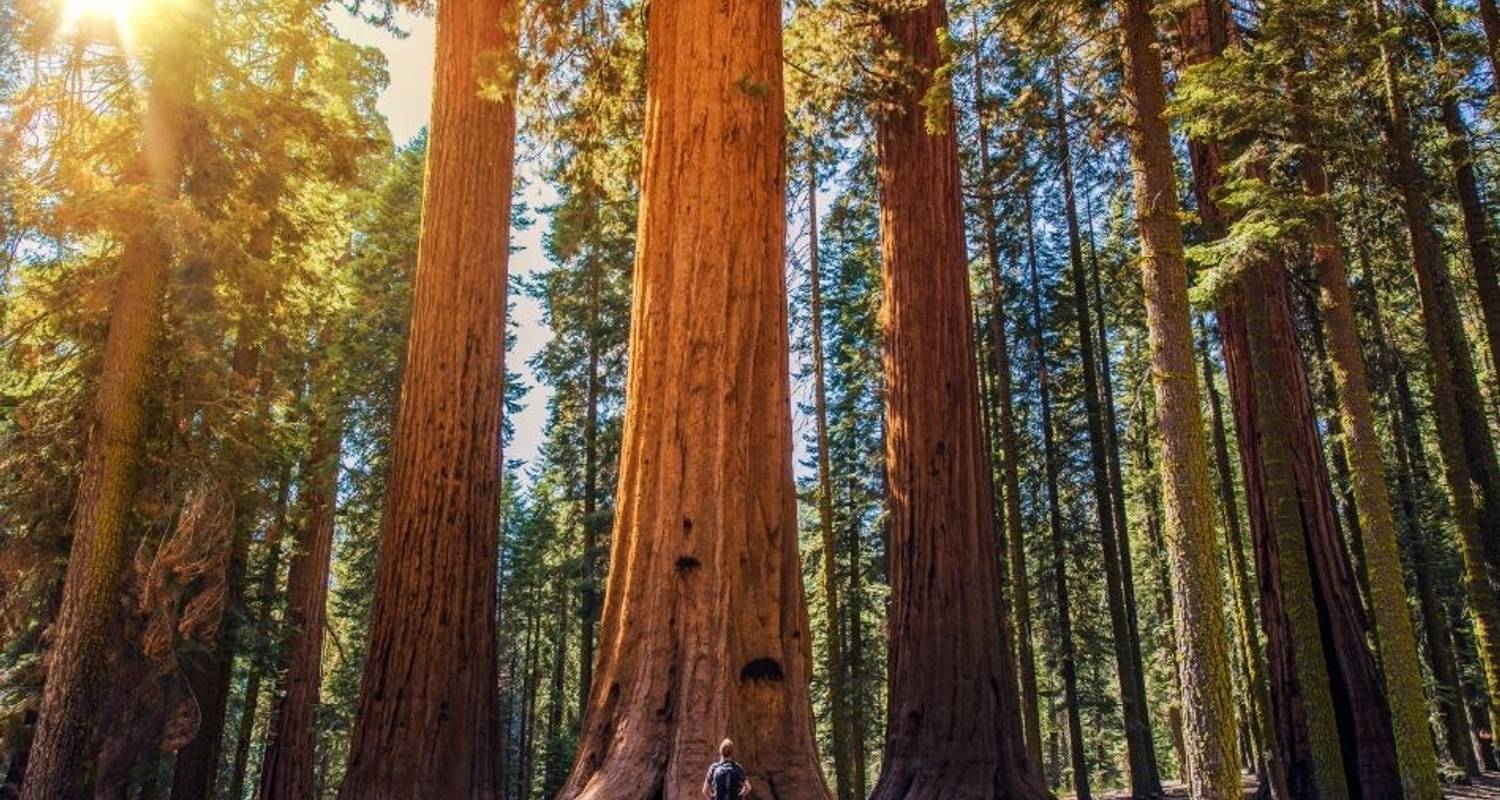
<point>726,749</point>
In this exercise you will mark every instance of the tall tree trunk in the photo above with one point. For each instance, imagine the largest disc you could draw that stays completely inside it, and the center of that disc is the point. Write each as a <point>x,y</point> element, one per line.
<point>1140,749</point>
<point>1116,473</point>
<point>1213,765</point>
<point>1395,639</point>
<point>1460,421</point>
<point>1258,702</point>
<point>1164,606</point>
<point>288,767</point>
<point>1308,743</point>
<point>833,647</point>
<point>954,720</point>
<point>705,625</point>
<point>1478,233</point>
<point>592,559</point>
<point>426,724</point>
<point>1440,651</point>
<point>857,680</point>
<point>1292,515</point>
<point>264,601</point>
<point>1015,533</point>
<point>59,762</point>
<point>1067,649</point>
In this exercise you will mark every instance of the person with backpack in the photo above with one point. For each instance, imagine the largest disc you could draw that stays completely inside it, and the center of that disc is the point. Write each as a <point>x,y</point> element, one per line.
<point>726,780</point>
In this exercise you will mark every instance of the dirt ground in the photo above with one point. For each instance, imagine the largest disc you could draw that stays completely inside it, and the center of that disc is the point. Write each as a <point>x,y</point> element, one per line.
<point>1485,787</point>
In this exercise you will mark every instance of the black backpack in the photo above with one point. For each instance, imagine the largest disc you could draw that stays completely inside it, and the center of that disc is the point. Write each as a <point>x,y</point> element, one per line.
<point>727,779</point>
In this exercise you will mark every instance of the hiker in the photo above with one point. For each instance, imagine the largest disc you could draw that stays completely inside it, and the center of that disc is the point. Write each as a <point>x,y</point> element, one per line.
<point>726,780</point>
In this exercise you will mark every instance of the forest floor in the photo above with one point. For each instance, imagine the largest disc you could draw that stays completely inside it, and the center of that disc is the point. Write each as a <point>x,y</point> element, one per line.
<point>1484,787</point>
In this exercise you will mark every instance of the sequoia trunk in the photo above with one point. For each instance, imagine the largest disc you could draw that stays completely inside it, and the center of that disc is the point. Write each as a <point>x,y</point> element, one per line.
<point>704,632</point>
<point>954,717</point>
<point>426,724</point>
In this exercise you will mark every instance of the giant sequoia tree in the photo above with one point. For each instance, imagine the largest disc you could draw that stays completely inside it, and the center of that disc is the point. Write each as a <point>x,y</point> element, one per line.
<point>954,711</point>
<point>427,724</point>
<point>704,630</point>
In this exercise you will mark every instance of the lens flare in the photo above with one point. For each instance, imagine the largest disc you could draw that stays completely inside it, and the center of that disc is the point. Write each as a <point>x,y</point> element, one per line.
<point>106,17</point>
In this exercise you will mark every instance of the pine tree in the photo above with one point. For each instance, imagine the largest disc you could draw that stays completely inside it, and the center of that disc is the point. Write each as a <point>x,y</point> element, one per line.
<point>1213,764</point>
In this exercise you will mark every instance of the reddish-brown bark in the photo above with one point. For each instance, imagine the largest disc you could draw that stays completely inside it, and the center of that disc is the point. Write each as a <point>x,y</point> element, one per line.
<point>288,766</point>
<point>954,718</point>
<point>426,724</point>
<point>704,632</point>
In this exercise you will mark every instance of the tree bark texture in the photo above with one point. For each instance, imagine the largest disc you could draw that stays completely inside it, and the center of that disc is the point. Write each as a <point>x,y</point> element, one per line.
<point>704,633</point>
<point>954,717</point>
<point>427,724</point>
<point>1192,542</point>
<point>58,766</point>
<point>1395,637</point>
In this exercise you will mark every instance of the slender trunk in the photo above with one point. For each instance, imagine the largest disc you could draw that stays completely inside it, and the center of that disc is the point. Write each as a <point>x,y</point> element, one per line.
<point>288,768</point>
<point>593,560</point>
<point>1460,421</point>
<point>1067,650</point>
<point>857,681</point>
<point>833,645</point>
<point>1213,764</point>
<point>1015,533</point>
<point>705,530</point>
<point>263,607</point>
<point>1140,751</point>
<point>1440,651</point>
<point>61,750</point>
<point>1116,473</point>
<point>1478,234</point>
<point>1252,655</point>
<point>1164,604</point>
<point>426,724</point>
<point>1395,639</point>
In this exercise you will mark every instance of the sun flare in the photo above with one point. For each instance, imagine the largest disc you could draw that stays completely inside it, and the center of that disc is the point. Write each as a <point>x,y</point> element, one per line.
<point>106,15</point>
